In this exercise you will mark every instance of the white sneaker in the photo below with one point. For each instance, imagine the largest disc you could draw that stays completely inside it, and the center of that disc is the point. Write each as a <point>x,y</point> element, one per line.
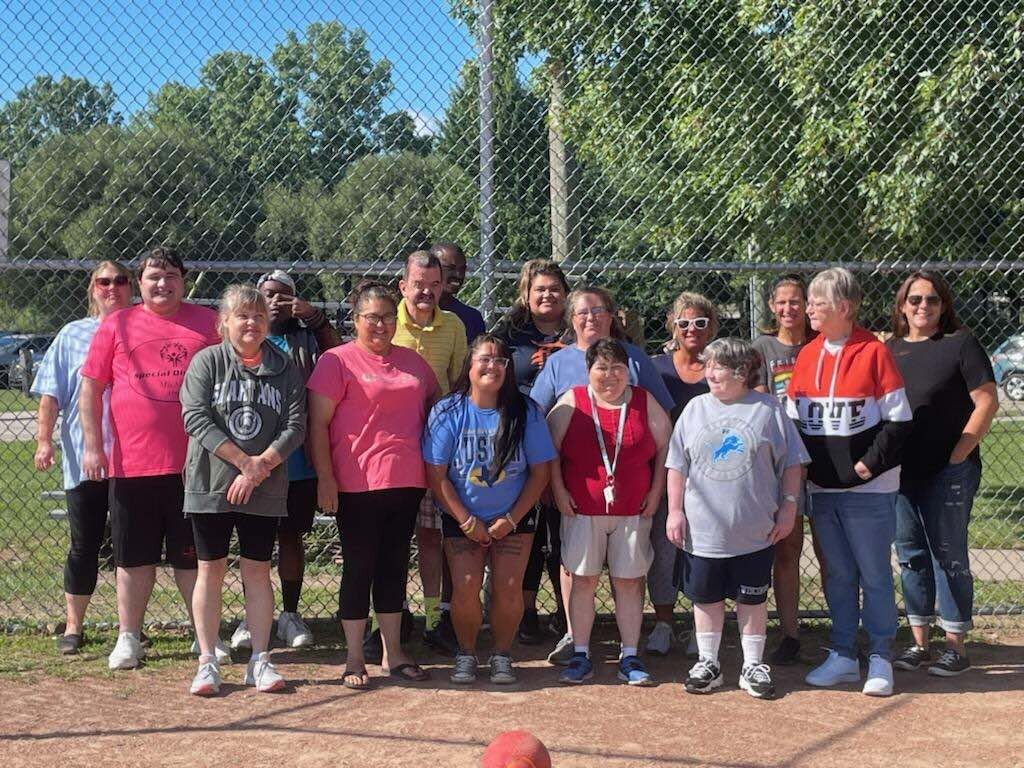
<point>659,641</point>
<point>292,630</point>
<point>207,680</point>
<point>221,651</point>
<point>834,670</point>
<point>261,673</point>
<point>879,681</point>
<point>241,639</point>
<point>127,652</point>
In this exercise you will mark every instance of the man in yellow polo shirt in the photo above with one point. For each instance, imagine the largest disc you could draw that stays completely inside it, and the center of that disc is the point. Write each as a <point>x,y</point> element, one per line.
<point>440,338</point>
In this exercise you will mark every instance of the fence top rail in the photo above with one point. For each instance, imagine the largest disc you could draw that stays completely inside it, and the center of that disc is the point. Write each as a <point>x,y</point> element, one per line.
<point>510,269</point>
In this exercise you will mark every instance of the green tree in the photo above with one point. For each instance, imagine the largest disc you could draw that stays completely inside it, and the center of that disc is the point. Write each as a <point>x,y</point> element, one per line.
<point>333,82</point>
<point>520,153</point>
<point>826,130</point>
<point>49,107</point>
<point>240,108</point>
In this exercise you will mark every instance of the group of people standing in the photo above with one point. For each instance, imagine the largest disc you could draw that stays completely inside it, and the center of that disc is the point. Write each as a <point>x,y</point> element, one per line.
<point>552,442</point>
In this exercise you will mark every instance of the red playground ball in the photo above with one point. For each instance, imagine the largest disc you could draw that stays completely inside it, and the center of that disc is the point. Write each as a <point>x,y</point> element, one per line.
<point>516,749</point>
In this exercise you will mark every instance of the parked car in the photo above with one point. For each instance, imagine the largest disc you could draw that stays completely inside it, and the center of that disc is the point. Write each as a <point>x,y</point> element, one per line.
<point>1008,365</point>
<point>12,372</point>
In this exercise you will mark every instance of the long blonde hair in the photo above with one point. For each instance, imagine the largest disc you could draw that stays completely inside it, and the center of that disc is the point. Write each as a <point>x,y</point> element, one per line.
<point>117,266</point>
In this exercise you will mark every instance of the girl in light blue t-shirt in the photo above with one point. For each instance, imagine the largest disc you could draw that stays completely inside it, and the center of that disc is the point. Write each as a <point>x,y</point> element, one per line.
<point>487,449</point>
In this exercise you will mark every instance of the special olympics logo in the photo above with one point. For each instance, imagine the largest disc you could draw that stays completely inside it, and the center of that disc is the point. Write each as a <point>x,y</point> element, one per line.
<point>245,423</point>
<point>173,353</point>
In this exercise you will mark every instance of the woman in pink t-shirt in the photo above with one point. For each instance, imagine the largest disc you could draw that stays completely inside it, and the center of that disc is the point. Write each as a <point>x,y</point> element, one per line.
<point>368,400</point>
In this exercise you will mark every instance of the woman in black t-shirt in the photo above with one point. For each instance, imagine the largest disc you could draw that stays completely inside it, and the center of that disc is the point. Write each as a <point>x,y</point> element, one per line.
<point>533,330</point>
<point>952,392</point>
<point>692,323</point>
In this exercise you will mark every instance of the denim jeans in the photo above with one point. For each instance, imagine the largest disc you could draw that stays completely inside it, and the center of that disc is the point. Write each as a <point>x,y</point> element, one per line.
<point>931,543</point>
<point>855,532</point>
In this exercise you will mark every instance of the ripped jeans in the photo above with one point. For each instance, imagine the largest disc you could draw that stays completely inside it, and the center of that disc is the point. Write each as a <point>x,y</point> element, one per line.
<point>931,544</point>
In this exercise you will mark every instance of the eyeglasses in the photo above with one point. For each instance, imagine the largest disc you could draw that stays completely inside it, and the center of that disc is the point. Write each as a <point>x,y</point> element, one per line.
<point>594,312</point>
<point>931,300</point>
<point>684,323</point>
<point>106,282</point>
<point>485,361</point>
<point>374,319</point>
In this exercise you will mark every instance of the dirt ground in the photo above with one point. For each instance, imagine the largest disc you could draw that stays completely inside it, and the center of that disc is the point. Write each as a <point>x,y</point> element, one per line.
<point>148,719</point>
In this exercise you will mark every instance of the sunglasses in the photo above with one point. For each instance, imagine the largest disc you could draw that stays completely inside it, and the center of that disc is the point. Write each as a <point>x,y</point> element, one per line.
<point>699,323</point>
<point>931,300</point>
<point>106,282</point>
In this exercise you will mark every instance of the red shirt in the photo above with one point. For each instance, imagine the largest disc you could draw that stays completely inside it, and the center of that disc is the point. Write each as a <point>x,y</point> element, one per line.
<point>144,356</point>
<point>583,469</point>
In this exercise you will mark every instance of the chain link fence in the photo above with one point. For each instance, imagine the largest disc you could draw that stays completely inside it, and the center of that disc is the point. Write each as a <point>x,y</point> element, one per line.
<point>651,147</point>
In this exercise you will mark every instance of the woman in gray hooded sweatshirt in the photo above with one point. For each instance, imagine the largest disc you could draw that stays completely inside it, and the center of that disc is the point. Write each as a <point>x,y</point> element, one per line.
<point>244,407</point>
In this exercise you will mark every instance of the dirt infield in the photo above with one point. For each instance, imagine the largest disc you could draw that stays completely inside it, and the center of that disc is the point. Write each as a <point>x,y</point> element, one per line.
<point>148,719</point>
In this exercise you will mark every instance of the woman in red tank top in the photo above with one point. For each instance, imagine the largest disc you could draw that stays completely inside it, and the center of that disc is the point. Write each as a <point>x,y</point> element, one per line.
<point>612,439</point>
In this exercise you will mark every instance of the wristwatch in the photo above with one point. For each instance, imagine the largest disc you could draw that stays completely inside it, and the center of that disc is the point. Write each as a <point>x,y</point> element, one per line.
<point>790,497</point>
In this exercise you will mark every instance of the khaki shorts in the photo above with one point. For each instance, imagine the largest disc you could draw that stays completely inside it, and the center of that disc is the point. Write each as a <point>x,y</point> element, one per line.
<point>430,513</point>
<point>624,541</point>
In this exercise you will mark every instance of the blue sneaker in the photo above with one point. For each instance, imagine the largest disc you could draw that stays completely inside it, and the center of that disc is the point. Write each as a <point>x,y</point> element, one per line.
<point>580,668</point>
<point>633,672</point>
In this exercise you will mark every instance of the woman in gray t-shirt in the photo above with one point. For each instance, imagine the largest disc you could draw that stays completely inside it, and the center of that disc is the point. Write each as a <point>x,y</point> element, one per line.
<point>778,356</point>
<point>734,466</point>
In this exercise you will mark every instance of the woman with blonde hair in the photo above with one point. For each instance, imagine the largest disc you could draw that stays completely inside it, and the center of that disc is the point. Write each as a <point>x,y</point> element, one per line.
<point>57,384</point>
<point>244,407</point>
<point>692,323</point>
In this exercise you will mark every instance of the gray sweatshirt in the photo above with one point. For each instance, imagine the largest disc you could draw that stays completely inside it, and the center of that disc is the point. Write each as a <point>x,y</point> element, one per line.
<point>221,400</point>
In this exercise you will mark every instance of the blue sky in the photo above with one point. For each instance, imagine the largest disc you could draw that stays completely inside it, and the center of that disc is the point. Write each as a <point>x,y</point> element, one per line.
<point>138,46</point>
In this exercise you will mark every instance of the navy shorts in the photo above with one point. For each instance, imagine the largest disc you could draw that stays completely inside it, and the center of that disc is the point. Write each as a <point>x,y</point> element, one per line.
<point>743,578</point>
<point>450,528</point>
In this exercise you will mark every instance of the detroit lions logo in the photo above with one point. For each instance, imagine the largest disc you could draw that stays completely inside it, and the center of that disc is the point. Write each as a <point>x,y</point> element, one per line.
<point>730,444</point>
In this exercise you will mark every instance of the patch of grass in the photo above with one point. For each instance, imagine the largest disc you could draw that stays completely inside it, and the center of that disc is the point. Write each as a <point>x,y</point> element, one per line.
<point>997,520</point>
<point>13,400</point>
<point>23,657</point>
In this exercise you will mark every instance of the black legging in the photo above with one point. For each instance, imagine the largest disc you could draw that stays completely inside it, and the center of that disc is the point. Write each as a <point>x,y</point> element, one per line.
<point>87,521</point>
<point>549,538</point>
<point>376,530</point>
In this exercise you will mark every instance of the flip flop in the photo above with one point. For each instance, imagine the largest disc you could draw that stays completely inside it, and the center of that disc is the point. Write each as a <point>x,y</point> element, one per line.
<point>362,685</point>
<point>411,673</point>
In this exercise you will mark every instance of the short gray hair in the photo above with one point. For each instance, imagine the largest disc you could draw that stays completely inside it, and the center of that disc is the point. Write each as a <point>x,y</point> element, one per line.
<point>738,355</point>
<point>835,285</point>
<point>421,259</point>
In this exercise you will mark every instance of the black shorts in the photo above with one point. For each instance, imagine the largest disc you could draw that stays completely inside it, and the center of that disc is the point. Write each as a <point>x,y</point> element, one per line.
<point>301,506</point>
<point>450,527</point>
<point>256,535</point>
<point>744,578</point>
<point>146,512</point>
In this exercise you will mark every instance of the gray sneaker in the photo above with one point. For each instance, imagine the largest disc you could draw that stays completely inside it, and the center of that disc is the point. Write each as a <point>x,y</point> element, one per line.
<point>464,672</point>
<point>293,631</point>
<point>241,639</point>
<point>562,654</point>
<point>221,650</point>
<point>207,680</point>
<point>261,673</point>
<point>659,642</point>
<point>502,672</point>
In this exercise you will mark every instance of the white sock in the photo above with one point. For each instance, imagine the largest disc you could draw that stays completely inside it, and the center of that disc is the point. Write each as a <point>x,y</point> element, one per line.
<point>753,648</point>
<point>582,649</point>
<point>707,645</point>
<point>627,650</point>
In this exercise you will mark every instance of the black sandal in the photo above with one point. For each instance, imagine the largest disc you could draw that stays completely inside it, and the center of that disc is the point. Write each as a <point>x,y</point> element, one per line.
<point>361,685</point>
<point>70,645</point>
<point>410,673</point>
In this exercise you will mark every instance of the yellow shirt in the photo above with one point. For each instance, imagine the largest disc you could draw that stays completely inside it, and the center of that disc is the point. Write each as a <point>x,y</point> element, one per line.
<point>442,343</point>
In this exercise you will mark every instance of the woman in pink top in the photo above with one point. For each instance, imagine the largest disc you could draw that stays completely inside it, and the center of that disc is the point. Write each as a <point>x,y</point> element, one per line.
<point>368,400</point>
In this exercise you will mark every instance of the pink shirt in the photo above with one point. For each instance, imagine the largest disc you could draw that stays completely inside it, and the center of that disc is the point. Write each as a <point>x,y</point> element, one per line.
<point>375,431</point>
<point>144,356</point>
